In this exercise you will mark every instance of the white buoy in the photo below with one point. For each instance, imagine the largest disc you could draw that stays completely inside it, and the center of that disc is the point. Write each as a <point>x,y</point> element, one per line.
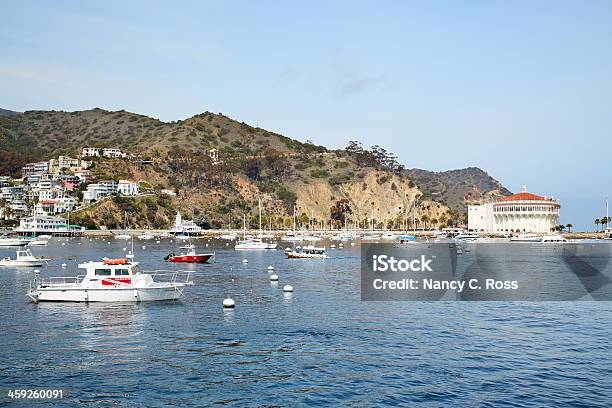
<point>270,268</point>
<point>125,249</point>
<point>144,247</point>
<point>287,288</point>
<point>63,243</point>
<point>36,270</point>
<point>352,243</point>
<point>227,244</point>
<point>206,245</point>
<point>332,246</point>
<point>274,277</point>
<point>245,261</point>
<point>64,265</point>
<point>228,303</point>
<point>157,242</point>
<point>80,243</point>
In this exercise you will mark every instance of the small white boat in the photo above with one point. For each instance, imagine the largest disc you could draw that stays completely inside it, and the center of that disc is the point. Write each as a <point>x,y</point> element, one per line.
<point>526,237</point>
<point>146,235</point>
<point>7,241</point>
<point>306,252</point>
<point>312,238</point>
<point>229,237</point>
<point>112,280</point>
<point>369,237</point>
<point>38,242</point>
<point>45,236</point>
<point>466,236</point>
<point>388,236</point>
<point>290,236</point>
<point>254,244</point>
<point>346,236</point>
<point>24,258</point>
<point>183,237</point>
<point>123,236</point>
<point>553,239</point>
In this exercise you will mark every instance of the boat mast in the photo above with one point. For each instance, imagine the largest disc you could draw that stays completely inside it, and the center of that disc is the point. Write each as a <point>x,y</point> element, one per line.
<point>243,226</point>
<point>260,230</point>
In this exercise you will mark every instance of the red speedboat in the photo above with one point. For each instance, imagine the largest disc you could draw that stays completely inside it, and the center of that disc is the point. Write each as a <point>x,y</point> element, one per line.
<point>190,257</point>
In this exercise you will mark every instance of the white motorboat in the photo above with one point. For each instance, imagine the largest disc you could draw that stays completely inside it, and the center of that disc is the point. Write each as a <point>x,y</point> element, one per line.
<point>146,235</point>
<point>24,258</point>
<point>312,238</point>
<point>346,236</point>
<point>183,237</point>
<point>368,237</point>
<point>112,280</point>
<point>38,242</point>
<point>290,236</point>
<point>388,236</point>
<point>306,252</point>
<point>553,239</point>
<point>122,236</point>
<point>466,236</point>
<point>8,241</point>
<point>526,237</point>
<point>229,237</point>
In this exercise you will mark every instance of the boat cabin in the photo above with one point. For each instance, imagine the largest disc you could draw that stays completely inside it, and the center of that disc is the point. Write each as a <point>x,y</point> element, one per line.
<point>111,271</point>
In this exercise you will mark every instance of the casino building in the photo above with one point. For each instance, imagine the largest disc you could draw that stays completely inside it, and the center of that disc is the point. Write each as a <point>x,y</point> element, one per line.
<point>521,212</point>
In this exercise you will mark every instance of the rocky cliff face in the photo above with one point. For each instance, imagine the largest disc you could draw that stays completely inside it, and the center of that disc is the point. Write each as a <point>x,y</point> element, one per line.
<point>379,196</point>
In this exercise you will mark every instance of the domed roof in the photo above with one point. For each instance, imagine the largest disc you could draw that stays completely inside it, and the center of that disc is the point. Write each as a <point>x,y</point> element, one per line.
<point>522,196</point>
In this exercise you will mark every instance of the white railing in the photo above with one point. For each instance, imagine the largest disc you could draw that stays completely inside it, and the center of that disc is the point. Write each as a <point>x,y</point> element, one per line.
<point>170,276</point>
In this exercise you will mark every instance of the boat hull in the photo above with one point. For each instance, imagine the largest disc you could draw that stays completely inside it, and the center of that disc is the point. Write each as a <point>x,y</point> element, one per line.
<point>293,255</point>
<point>198,258</point>
<point>21,263</point>
<point>14,242</point>
<point>107,295</point>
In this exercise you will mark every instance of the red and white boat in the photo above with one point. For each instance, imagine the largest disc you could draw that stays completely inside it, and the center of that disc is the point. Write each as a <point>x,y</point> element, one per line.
<point>190,257</point>
<point>112,280</point>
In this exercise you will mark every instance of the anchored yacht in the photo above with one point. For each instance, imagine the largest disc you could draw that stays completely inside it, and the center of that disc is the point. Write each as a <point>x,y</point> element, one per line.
<point>7,241</point>
<point>306,252</point>
<point>526,237</point>
<point>24,258</point>
<point>112,280</point>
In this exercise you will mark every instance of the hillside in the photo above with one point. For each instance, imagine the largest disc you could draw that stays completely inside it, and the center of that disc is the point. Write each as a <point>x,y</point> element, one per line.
<point>253,164</point>
<point>457,188</point>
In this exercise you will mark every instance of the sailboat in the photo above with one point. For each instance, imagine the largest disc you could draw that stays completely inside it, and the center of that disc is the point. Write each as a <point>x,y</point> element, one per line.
<point>124,234</point>
<point>291,236</point>
<point>251,243</point>
<point>230,236</point>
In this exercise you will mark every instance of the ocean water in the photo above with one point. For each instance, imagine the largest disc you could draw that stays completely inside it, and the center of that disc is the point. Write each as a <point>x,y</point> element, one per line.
<point>319,346</point>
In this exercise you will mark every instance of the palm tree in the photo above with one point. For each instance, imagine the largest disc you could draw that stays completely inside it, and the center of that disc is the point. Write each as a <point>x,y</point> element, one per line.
<point>424,219</point>
<point>569,227</point>
<point>597,222</point>
<point>560,228</point>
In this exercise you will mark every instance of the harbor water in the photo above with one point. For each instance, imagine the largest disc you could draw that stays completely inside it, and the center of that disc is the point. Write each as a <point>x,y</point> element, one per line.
<point>320,345</point>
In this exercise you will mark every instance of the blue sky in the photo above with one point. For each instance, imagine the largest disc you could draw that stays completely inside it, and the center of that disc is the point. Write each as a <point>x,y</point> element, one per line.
<point>520,89</point>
